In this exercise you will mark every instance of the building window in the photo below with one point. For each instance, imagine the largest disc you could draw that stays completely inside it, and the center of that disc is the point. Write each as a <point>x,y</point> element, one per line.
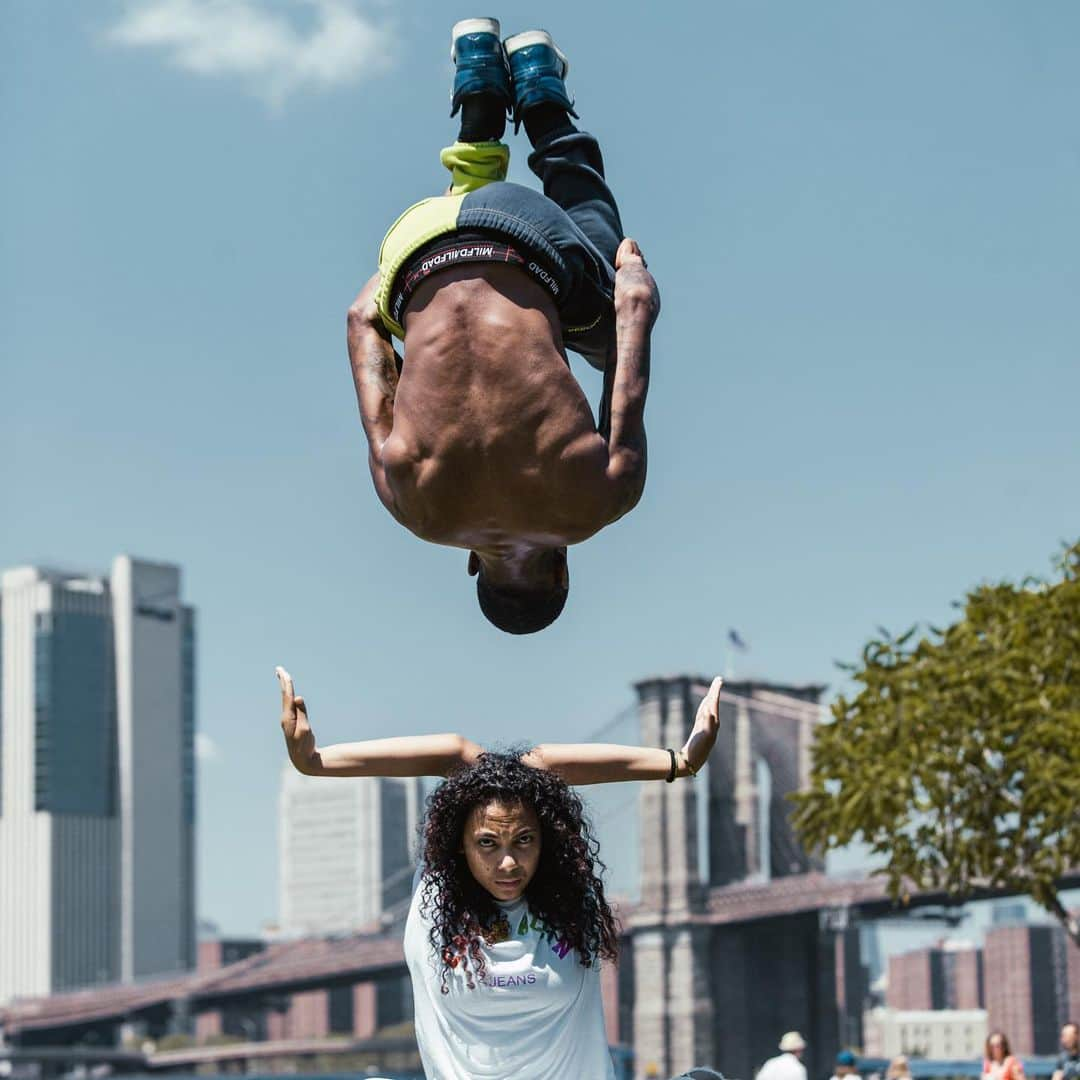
<point>42,685</point>
<point>74,714</point>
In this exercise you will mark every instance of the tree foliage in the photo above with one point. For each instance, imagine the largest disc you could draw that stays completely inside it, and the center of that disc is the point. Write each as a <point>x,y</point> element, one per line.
<point>958,760</point>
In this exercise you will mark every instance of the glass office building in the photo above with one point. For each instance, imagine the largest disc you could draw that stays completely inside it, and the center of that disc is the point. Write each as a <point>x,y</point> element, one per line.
<point>97,780</point>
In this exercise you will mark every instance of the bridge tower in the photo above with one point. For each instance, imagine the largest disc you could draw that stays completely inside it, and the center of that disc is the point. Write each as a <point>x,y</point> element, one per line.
<point>673,1014</point>
<point>690,978</point>
<point>762,755</point>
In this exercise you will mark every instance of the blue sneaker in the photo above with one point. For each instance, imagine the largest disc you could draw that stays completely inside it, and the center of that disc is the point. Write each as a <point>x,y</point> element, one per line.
<point>479,59</point>
<point>538,70</point>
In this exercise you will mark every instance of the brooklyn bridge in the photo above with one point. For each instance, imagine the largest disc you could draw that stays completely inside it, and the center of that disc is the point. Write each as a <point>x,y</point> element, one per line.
<point>715,962</point>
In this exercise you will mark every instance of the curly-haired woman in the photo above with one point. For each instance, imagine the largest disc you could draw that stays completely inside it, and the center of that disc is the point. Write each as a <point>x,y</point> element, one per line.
<point>509,921</point>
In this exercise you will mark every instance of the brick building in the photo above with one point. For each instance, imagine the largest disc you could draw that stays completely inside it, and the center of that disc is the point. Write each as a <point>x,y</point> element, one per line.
<point>916,980</point>
<point>1026,977</point>
<point>965,978</point>
<point>948,976</point>
<point>1027,985</point>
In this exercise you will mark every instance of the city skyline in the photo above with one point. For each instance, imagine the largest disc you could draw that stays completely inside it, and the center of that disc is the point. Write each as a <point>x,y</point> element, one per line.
<point>1023,976</point>
<point>753,921</point>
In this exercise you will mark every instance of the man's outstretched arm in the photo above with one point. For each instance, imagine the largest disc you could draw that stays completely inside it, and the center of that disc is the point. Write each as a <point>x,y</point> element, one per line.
<point>626,381</point>
<point>374,365</point>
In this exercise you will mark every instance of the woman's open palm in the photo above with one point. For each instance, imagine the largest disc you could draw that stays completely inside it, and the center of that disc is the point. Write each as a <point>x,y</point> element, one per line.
<point>706,724</point>
<point>299,738</point>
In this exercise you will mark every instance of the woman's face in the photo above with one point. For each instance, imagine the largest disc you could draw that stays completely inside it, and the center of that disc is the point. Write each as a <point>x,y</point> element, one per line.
<point>997,1049</point>
<point>502,847</point>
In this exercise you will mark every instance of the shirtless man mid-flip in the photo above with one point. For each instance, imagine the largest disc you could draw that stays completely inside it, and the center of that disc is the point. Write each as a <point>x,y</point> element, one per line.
<point>482,438</point>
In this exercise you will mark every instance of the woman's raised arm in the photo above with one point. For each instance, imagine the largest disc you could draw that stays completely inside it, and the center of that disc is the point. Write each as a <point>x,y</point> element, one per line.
<point>405,755</point>
<point>605,763</point>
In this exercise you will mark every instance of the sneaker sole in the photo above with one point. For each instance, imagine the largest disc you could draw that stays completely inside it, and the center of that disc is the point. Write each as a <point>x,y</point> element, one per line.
<point>535,37</point>
<point>471,26</point>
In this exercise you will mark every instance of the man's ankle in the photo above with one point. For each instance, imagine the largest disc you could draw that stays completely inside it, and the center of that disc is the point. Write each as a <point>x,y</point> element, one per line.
<point>483,118</point>
<point>545,119</point>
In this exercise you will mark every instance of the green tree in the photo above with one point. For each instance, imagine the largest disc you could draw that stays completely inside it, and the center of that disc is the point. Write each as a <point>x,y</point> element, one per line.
<point>958,760</point>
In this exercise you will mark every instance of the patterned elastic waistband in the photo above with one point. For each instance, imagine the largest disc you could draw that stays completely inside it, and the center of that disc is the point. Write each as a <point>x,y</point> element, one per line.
<point>453,250</point>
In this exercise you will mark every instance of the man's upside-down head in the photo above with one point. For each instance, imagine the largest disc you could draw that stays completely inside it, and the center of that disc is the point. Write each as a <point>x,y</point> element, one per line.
<point>528,597</point>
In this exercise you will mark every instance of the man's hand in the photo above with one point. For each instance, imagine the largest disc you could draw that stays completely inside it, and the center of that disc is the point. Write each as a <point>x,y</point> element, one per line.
<point>636,294</point>
<point>364,317</point>
<point>299,738</point>
<point>702,739</point>
<point>626,379</point>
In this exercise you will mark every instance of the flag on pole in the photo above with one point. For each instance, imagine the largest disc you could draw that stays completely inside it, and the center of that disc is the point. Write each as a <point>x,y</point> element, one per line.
<point>736,641</point>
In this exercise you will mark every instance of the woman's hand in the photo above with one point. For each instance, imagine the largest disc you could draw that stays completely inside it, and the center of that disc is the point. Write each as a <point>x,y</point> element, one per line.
<point>401,755</point>
<point>698,747</point>
<point>299,738</point>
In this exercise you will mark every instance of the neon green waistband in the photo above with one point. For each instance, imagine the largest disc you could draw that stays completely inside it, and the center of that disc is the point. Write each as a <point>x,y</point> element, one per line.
<point>419,225</point>
<point>471,165</point>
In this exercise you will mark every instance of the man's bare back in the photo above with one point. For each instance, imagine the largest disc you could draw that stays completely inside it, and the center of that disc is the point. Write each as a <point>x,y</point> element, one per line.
<point>494,442</point>
<point>486,440</point>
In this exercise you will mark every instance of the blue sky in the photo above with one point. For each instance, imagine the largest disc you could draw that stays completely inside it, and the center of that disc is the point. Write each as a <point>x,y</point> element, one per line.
<point>863,220</point>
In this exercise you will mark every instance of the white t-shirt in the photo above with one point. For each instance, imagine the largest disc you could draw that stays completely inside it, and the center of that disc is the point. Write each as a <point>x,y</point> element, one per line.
<point>782,1067</point>
<point>537,1015</point>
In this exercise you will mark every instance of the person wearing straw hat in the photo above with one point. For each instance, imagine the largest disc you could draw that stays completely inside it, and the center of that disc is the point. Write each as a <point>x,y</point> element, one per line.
<point>787,1065</point>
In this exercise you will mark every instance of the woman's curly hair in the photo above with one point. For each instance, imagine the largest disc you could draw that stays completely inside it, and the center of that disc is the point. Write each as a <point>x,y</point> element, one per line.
<point>565,894</point>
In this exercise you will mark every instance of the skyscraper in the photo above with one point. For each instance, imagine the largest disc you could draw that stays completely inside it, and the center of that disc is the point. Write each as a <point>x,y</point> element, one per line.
<point>97,777</point>
<point>345,849</point>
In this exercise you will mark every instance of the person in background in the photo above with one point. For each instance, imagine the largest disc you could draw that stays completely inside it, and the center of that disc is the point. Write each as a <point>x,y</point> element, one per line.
<point>845,1067</point>
<point>787,1065</point>
<point>899,1068</point>
<point>1068,1064</point>
<point>999,1063</point>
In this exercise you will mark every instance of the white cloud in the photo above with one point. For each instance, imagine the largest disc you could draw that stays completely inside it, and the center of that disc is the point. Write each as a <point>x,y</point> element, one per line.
<point>205,748</point>
<point>276,49</point>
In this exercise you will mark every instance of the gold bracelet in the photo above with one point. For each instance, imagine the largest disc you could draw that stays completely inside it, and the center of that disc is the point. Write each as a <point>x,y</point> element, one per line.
<point>689,768</point>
